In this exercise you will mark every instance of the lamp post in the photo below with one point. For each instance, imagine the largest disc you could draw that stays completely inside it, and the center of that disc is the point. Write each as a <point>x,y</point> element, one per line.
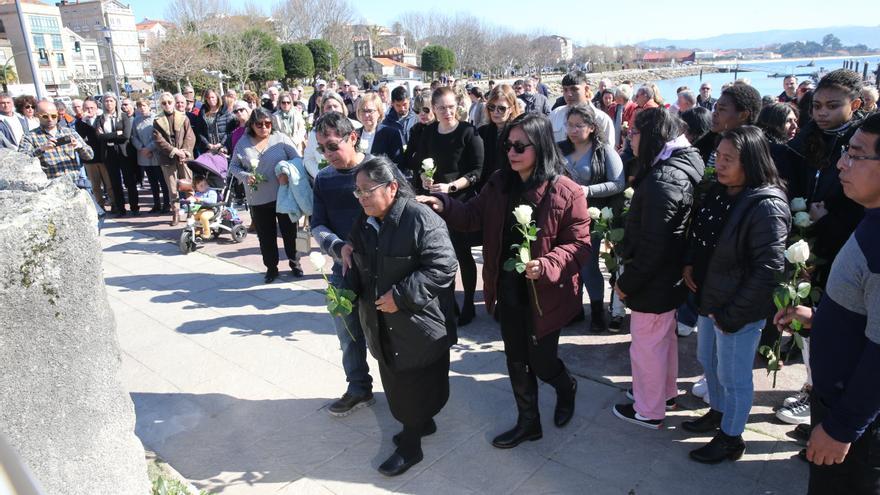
<point>38,83</point>
<point>108,37</point>
<point>219,75</point>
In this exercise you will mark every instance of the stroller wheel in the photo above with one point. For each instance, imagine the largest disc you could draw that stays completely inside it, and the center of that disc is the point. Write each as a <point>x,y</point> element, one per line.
<point>186,242</point>
<point>239,232</point>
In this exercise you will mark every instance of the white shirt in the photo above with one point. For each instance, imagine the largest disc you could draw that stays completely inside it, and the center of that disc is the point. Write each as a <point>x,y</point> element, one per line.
<point>557,118</point>
<point>14,125</point>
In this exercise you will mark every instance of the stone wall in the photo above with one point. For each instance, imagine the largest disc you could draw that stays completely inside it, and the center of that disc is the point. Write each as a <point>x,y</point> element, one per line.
<point>62,406</point>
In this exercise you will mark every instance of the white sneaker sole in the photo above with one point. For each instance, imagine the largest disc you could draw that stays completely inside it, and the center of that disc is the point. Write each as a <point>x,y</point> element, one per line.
<point>636,421</point>
<point>792,420</point>
<point>359,405</point>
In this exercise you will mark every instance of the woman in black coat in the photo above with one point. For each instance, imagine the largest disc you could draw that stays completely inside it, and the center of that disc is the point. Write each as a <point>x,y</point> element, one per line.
<point>736,253</point>
<point>113,129</point>
<point>501,109</point>
<point>211,124</point>
<point>402,269</point>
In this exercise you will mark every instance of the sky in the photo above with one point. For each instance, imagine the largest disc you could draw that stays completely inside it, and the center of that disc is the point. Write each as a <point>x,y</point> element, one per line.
<point>606,23</point>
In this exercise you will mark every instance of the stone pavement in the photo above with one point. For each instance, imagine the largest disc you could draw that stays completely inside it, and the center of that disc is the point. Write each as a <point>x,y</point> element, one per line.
<point>231,379</point>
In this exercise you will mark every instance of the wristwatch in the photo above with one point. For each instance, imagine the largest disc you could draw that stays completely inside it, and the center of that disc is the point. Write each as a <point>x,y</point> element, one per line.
<point>452,188</point>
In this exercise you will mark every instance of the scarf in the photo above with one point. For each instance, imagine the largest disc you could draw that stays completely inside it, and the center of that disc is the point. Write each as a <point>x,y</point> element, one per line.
<point>670,147</point>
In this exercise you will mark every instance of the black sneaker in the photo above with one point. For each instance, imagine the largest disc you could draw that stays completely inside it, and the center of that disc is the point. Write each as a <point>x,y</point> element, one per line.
<point>348,404</point>
<point>671,405</point>
<point>627,413</point>
<point>615,323</point>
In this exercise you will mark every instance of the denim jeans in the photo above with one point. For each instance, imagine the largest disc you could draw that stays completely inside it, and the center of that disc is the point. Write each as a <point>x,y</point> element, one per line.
<point>727,360</point>
<point>354,352</point>
<point>591,275</point>
<point>687,312</point>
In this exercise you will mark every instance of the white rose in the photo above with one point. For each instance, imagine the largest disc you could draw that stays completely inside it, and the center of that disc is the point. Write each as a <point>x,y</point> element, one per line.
<point>798,252</point>
<point>523,214</point>
<point>628,193</point>
<point>594,213</point>
<point>607,213</point>
<point>318,260</point>
<point>802,219</point>
<point>428,164</point>
<point>255,162</point>
<point>798,204</point>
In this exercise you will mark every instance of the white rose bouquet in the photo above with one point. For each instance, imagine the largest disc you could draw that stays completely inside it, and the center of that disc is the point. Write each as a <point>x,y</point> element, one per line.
<point>523,251</point>
<point>339,301</point>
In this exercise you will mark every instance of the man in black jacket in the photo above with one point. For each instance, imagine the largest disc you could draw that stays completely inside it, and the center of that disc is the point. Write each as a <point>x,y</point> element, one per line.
<point>95,169</point>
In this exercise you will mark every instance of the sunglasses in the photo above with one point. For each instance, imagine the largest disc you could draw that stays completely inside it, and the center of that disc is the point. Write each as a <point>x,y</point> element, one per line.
<point>29,106</point>
<point>425,110</point>
<point>499,108</point>
<point>285,102</point>
<point>238,110</point>
<point>519,148</point>
<point>52,116</point>
<point>167,103</point>
<point>332,147</point>
<point>266,124</point>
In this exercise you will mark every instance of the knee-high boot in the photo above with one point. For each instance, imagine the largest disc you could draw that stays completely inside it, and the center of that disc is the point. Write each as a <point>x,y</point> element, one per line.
<point>528,423</point>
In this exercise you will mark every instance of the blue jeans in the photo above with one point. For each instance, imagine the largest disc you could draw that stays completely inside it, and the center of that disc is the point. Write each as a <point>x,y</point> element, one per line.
<point>591,275</point>
<point>687,312</point>
<point>354,352</point>
<point>727,360</point>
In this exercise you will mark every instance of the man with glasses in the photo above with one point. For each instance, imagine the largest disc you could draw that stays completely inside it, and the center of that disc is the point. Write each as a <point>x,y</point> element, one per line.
<point>95,169</point>
<point>175,140</point>
<point>335,212</point>
<point>704,99</point>
<point>56,147</point>
<point>845,336</point>
<point>575,91</point>
<point>12,125</point>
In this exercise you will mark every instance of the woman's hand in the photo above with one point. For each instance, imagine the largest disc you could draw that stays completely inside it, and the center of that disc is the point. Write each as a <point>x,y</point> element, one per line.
<point>534,270</point>
<point>251,180</point>
<point>386,303</point>
<point>346,251</point>
<point>688,275</point>
<point>427,182</point>
<point>283,180</point>
<point>439,188</point>
<point>785,316</point>
<point>431,201</point>
<point>817,211</point>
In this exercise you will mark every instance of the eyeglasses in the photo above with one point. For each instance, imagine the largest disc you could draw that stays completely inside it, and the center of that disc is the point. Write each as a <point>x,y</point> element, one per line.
<point>576,127</point>
<point>517,88</point>
<point>239,110</point>
<point>266,124</point>
<point>331,147</point>
<point>425,110</point>
<point>518,147</point>
<point>497,108</point>
<point>447,108</point>
<point>28,106</point>
<point>369,192</point>
<point>286,102</point>
<point>49,116</point>
<point>850,160</point>
<point>368,111</point>
<point>167,103</point>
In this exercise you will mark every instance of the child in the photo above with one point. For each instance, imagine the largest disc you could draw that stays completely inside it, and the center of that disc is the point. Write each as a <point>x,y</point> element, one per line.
<point>203,195</point>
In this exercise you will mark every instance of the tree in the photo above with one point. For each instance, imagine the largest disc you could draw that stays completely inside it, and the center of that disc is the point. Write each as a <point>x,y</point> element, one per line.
<point>266,42</point>
<point>324,55</point>
<point>297,21</point>
<point>198,16</point>
<point>245,56</point>
<point>831,42</point>
<point>298,61</point>
<point>436,58</point>
<point>180,55</point>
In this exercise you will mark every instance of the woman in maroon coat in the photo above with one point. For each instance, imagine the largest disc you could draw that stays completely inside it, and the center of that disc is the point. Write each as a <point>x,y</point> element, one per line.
<point>529,174</point>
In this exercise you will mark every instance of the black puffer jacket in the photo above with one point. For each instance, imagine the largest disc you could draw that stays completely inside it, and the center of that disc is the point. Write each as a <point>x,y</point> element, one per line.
<point>411,255</point>
<point>656,233</point>
<point>749,256</point>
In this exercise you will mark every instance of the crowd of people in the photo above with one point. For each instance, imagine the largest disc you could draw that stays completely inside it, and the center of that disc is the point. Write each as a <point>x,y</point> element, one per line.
<point>693,201</point>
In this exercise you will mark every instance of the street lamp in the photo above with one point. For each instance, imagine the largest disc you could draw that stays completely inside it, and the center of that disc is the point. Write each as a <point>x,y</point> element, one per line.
<point>219,75</point>
<point>108,37</point>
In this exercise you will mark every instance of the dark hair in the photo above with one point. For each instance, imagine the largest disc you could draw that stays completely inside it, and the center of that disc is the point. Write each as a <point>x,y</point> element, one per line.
<point>805,108</point>
<point>745,99</point>
<point>574,78</point>
<point>767,100</point>
<point>871,125</point>
<point>205,103</point>
<point>334,121</point>
<point>477,92</point>
<point>518,82</point>
<point>588,114</point>
<point>657,127</point>
<point>257,115</point>
<point>772,119</point>
<point>698,121</point>
<point>23,100</point>
<point>198,179</point>
<point>440,93</point>
<point>398,94</point>
<point>381,170</point>
<point>848,81</point>
<point>549,161</point>
<point>754,155</point>
<point>491,82</point>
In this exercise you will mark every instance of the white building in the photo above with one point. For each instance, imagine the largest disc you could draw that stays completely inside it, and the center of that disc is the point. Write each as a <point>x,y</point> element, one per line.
<point>89,19</point>
<point>149,33</point>
<point>85,71</point>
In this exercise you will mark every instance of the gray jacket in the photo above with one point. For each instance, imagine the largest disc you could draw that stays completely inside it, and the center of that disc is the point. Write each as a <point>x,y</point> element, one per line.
<point>245,157</point>
<point>142,138</point>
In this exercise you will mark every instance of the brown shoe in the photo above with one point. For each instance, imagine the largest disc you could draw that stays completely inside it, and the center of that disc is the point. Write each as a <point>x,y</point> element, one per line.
<point>175,217</point>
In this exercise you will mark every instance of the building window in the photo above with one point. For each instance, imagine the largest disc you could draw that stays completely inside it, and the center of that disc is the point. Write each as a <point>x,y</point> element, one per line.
<point>47,76</point>
<point>91,54</point>
<point>93,69</point>
<point>59,59</point>
<point>39,41</point>
<point>56,42</point>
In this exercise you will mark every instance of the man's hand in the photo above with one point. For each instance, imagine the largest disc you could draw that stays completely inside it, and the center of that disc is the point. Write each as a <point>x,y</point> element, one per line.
<point>346,257</point>
<point>784,317</point>
<point>620,294</point>
<point>386,303</point>
<point>688,275</point>
<point>431,201</point>
<point>283,180</point>
<point>49,145</point>
<point>824,450</point>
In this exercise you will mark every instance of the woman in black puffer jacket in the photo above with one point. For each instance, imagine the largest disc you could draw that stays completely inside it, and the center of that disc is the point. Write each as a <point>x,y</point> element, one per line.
<point>736,252</point>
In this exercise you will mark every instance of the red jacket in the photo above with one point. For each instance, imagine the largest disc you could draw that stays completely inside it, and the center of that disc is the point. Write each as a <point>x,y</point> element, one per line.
<point>563,244</point>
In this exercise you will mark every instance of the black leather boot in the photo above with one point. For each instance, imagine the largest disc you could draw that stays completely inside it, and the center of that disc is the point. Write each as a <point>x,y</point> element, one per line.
<point>528,423</point>
<point>598,320</point>
<point>721,447</point>
<point>566,389</point>
<point>708,422</point>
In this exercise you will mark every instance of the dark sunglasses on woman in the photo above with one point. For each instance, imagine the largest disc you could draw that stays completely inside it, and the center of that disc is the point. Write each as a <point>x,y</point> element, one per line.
<point>520,148</point>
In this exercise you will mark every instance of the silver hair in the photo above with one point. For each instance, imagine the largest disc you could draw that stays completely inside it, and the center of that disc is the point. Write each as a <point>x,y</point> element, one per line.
<point>647,91</point>
<point>688,96</point>
<point>624,91</point>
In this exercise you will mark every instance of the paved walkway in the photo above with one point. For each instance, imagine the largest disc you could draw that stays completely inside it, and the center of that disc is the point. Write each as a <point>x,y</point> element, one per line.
<point>231,379</point>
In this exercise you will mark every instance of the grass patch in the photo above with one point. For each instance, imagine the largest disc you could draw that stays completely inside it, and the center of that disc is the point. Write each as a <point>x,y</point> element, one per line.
<point>162,482</point>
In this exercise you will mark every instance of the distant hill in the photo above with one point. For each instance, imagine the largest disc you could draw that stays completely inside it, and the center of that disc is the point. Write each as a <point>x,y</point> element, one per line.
<point>849,35</point>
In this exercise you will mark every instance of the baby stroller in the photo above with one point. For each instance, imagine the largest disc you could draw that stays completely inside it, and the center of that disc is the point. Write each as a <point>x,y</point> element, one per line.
<point>213,168</point>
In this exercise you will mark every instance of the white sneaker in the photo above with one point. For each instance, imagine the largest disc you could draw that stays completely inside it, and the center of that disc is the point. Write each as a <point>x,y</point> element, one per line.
<point>798,397</point>
<point>685,330</point>
<point>797,413</point>
<point>701,389</point>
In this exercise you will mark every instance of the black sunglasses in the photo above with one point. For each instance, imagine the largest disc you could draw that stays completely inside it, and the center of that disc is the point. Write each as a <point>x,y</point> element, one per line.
<point>501,108</point>
<point>425,110</point>
<point>331,147</point>
<point>520,148</point>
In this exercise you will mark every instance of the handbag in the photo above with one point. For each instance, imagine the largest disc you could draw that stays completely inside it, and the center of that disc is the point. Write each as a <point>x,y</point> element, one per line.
<point>304,237</point>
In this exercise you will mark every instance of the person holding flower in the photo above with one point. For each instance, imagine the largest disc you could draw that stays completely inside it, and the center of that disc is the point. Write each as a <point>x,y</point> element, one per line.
<point>735,255</point>
<point>597,167</point>
<point>402,268</point>
<point>652,247</point>
<point>537,298</point>
<point>253,163</point>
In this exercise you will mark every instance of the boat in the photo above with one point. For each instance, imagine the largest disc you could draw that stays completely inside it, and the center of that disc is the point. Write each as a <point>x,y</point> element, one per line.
<point>812,63</point>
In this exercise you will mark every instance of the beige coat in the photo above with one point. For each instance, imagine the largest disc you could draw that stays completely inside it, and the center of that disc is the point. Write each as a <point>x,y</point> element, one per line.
<point>183,139</point>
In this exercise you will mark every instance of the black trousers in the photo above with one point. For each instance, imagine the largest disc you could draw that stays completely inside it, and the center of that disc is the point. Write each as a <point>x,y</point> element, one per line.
<point>461,243</point>
<point>123,170</point>
<point>519,347</point>
<point>859,473</point>
<point>268,222</point>
<point>157,183</point>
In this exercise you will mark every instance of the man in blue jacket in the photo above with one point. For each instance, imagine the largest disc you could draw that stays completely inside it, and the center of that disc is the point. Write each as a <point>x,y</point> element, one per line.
<point>844,446</point>
<point>400,116</point>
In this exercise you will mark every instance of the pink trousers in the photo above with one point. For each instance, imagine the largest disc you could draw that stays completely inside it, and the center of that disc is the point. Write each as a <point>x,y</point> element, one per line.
<point>654,357</point>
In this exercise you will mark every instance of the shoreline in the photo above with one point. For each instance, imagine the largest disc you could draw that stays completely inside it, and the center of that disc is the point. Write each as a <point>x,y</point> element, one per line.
<point>782,60</point>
